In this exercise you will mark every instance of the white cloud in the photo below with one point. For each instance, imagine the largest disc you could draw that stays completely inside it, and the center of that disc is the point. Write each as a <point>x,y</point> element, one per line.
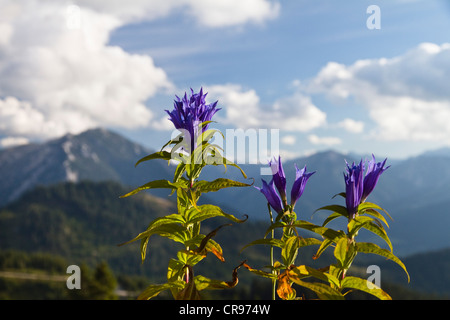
<point>58,73</point>
<point>243,109</point>
<point>220,13</point>
<point>289,140</point>
<point>59,79</point>
<point>407,96</point>
<point>351,125</point>
<point>217,13</point>
<point>328,141</point>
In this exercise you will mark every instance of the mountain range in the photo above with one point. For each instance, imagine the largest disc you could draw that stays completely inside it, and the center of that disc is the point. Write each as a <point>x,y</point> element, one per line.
<point>415,191</point>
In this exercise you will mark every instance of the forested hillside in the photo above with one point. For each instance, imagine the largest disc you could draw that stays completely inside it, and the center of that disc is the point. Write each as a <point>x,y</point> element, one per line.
<point>83,223</point>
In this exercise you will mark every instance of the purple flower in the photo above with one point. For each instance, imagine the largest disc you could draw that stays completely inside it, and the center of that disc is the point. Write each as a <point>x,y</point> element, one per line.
<point>189,113</point>
<point>278,201</point>
<point>374,170</point>
<point>272,196</point>
<point>301,177</point>
<point>279,178</point>
<point>354,185</point>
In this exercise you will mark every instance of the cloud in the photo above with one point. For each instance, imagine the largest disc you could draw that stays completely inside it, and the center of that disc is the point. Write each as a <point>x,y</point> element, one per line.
<point>243,109</point>
<point>289,140</point>
<point>217,13</point>
<point>351,125</point>
<point>59,74</point>
<point>406,96</point>
<point>58,77</point>
<point>328,141</point>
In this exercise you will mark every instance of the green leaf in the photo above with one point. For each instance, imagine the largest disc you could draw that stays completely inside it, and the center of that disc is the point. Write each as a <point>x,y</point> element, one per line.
<point>340,251</point>
<point>218,184</point>
<point>336,208</point>
<point>181,168</point>
<point>368,205</point>
<point>322,231</point>
<point>157,155</point>
<point>153,290</point>
<point>357,223</point>
<point>173,231</point>
<point>270,242</point>
<point>165,184</point>
<point>303,271</point>
<point>364,285</point>
<point>203,283</point>
<point>323,291</point>
<point>260,272</point>
<point>367,247</point>
<point>207,211</point>
<point>376,214</point>
<point>325,244</point>
<point>331,217</point>
<point>379,231</point>
<point>290,250</point>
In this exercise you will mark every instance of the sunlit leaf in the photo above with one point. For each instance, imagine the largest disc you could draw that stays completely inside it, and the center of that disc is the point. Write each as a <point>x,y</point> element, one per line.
<point>290,250</point>
<point>153,290</point>
<point>303,271</point>
<point>157,155</point>
<point>218,184</point>
<point>341,210</point>
<point>367,247</point>
<point>368,205</point>
<point>164,184</point>
<point>207,211</point>
<point>364,285</point>
<point>323,291</point>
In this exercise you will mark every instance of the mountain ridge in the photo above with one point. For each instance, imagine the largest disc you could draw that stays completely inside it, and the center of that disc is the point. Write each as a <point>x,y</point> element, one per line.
<point>413,191</point>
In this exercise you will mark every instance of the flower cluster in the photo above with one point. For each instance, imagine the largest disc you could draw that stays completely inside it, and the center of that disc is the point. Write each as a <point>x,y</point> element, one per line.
<point>358,186</point>
<point>278,201</point>
<point>189,113</point>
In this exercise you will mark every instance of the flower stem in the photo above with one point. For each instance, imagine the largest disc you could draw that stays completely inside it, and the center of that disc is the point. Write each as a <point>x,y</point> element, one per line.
<point>274,281</point>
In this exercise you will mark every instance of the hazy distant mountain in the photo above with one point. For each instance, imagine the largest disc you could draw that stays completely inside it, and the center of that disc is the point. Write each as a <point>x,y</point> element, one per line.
<point>96,155</point>
<point>415,191</point>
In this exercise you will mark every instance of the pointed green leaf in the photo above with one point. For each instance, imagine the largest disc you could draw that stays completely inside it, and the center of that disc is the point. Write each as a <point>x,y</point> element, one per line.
<point>207,211</point>
<point>304,271</point>
<point>376,214</point>
<point>290,250</point>
<point>340,251</point>
<point>172,231</point>
<point>364,285</point>
<point>336,208</point>
<point>157,155</point>
<point>379,231</point>
<point>164,184</point>
<point>357,223</point>
<point>367,247</point>
<point>323,291</point>
<point>322,231</point>
<point>325,244</point>
<point>218,184</point>
<point>368,205</point>
<point>153,290</point>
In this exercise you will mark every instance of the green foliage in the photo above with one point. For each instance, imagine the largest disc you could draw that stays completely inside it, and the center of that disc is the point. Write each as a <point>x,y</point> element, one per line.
<point>184,226</point>
<point>334,282</point>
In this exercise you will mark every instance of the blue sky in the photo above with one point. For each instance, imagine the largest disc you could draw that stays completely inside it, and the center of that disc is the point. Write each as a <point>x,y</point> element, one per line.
<point>311,69</point>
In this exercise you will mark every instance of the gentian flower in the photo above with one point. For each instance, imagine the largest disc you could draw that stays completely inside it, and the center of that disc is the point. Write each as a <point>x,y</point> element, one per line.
<point>279,178</point>
<point>374,170</point>
<point>301,177</point>
<point>272,196</point>
<point>278,201</point>
<point>354,186</point>
<point>189,113</point>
